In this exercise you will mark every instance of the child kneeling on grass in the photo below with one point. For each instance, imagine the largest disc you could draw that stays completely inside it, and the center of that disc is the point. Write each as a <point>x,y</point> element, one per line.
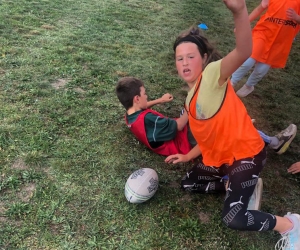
<point>229,143</point>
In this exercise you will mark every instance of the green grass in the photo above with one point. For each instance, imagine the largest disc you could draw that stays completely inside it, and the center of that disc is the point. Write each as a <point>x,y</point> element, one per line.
<point>65,152</point>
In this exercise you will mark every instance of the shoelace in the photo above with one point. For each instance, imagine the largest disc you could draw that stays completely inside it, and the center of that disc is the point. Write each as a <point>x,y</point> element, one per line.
<point>283,243</point>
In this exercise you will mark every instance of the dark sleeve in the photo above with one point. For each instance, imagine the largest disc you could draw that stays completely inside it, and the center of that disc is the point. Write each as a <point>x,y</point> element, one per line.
<point>160,129</point>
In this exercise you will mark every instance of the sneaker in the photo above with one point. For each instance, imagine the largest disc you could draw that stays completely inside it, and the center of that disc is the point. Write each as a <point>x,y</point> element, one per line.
<point>290,240</point>
<point>245,90</point>
<point>285,137</point>
<point>255,199</point>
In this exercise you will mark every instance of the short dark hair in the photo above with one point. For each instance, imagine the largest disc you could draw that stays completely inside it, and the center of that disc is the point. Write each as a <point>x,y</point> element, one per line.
<point>127,88</point>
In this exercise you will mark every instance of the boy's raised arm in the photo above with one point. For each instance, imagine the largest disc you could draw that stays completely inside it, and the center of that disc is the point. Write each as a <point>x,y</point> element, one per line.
<point>243,36</point>
<point>165,98</point>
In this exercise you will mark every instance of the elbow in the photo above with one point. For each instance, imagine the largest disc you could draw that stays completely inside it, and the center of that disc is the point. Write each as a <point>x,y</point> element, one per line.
<point>179,127</point>
<point>249,50</point>
<point>248,54</point>
<point>245,53</point>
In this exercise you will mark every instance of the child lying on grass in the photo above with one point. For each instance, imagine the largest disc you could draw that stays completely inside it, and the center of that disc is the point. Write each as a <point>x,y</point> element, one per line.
<point>167,136</point>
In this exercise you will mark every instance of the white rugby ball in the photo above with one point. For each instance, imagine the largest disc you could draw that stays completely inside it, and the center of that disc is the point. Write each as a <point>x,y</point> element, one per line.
<point>141,185</point>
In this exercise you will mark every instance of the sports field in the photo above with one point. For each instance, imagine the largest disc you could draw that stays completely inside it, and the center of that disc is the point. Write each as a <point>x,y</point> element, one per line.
<point>65,152</point>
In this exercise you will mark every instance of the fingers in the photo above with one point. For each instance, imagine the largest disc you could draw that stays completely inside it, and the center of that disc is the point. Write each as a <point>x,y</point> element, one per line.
<point>293,171</point>
<point>290,13</point>
<point>167,97</point>
<point>172,159</point>
<point>295,168</point>
<point>169,159</point>
<point>176,161</point>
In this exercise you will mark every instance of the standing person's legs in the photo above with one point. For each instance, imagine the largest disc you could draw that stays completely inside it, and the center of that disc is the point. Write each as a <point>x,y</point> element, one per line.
<point>204,179</point>
<point>260,70</point>
<point>242,70</point>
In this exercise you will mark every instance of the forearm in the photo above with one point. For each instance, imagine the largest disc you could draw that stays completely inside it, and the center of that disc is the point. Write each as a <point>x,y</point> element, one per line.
<point>194,153</point>
<point>154,102</point>
<point>256,12</point>
<point>182,121</point>
<point>243,38</point>
<point>243,34</point>
<point>165,98</point>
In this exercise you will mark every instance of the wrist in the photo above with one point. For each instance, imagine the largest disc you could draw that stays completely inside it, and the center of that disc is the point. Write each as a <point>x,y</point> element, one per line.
<point>240,11</point>
<point>188,157</point>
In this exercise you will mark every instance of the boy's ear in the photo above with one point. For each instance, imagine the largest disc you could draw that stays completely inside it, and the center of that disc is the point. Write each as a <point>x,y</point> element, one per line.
<point>136,99</point>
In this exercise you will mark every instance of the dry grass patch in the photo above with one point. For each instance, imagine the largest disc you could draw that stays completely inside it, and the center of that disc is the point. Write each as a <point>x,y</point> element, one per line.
<point>186,198</point>
<point>47,27</point>
<point>79,90</point>
<point>27,192</point>
<point>19,165</point>
<point>204,217</point>
<point>60,83</point>
<point>34,32</point>
<point>121,73</point>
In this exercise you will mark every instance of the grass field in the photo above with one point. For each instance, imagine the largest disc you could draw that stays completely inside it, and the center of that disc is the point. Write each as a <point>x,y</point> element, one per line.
<point>65,152</point>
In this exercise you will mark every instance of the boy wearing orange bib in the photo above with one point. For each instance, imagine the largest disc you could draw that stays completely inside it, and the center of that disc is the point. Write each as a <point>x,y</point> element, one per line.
<point>272,37</point>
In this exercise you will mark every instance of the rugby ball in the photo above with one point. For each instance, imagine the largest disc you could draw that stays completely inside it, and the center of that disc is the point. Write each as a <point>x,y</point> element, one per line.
<point>141,185</point>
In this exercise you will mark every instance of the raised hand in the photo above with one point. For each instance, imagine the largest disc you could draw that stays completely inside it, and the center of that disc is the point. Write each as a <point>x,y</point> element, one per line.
<point>235,6</point>
<point>166,98</point>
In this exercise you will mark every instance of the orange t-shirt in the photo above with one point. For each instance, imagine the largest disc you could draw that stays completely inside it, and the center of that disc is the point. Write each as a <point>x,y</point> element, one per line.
<point>274,33</point>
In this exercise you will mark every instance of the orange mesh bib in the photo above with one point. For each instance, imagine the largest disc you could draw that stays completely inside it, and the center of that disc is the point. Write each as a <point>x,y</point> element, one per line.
<point>227,136</point>
<point>274,33</point>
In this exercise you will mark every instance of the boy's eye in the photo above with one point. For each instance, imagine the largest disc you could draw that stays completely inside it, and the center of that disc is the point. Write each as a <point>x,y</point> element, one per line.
<point>179,59</point>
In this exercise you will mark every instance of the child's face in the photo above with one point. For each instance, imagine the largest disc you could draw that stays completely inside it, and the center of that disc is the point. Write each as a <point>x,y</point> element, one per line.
<point>188,62</point>
<point>143,98</point>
